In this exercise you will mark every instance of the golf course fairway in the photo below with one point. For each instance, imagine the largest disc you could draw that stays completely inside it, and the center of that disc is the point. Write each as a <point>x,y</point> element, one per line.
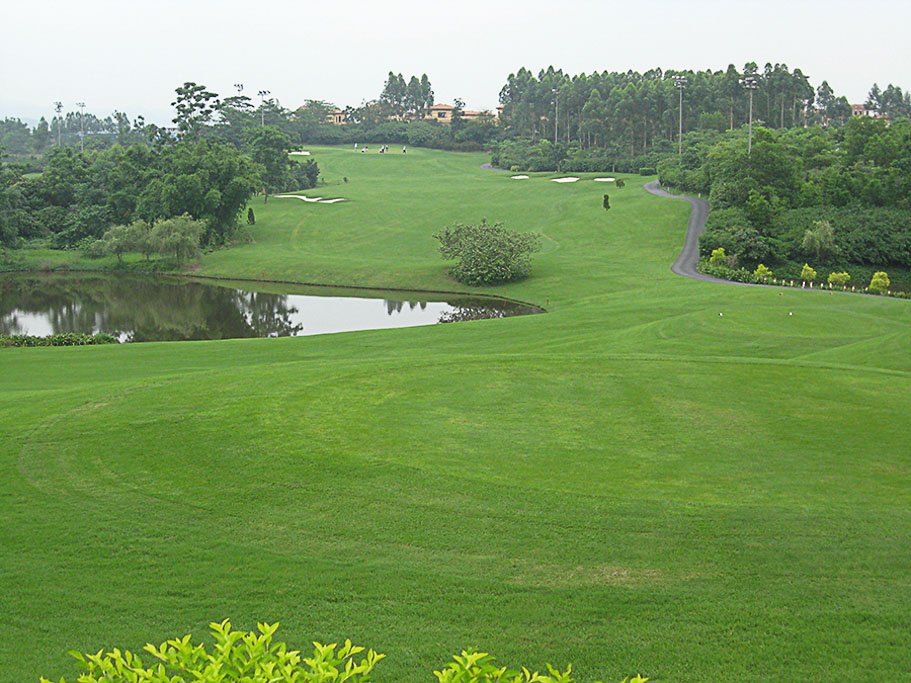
<point>631,482</point>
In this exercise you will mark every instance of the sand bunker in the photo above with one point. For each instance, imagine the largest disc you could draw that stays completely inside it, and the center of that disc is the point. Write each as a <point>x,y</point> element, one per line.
<point>309,199</point>
<point>520,177</point>
<point>300,153</point>
<point>604,180</point>
<point>569,179</point>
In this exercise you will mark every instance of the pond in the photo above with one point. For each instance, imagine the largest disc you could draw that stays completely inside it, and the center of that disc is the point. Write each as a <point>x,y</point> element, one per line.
<point>146,308</point>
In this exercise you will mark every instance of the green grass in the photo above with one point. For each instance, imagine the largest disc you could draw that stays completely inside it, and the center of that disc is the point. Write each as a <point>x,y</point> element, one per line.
<point>631,483</point>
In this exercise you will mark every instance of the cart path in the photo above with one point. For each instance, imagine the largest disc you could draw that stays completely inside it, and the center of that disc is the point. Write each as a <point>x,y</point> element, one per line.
<point>688,261</point>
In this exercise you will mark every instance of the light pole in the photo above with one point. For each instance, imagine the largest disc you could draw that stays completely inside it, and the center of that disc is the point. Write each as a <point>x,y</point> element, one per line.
<point>680,84</point>
<point>262,107</point>
<point>751,83</point>
<point>58,107</point>
<point>556,113</point>
<point>81,106</point>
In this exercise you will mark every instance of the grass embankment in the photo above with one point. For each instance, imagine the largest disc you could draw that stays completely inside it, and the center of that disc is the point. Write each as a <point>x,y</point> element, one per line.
<point>628,483</point>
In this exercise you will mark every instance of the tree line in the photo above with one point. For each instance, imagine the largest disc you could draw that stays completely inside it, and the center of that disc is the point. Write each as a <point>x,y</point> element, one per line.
<point>618,120</point>
<point>839,198</point>
<point>79,196</point>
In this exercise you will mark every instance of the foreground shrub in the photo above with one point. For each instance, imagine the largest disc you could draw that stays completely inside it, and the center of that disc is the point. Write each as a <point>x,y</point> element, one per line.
<point>879,284</point>
<point>807,273</point>
<point>65,339</point>
<point>236,656</point>
<point>251,657</point>
<point>478,667</point>
<point>488,254</point>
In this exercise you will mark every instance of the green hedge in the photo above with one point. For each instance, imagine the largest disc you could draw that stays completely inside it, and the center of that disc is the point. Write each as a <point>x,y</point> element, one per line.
<point>66,339</point>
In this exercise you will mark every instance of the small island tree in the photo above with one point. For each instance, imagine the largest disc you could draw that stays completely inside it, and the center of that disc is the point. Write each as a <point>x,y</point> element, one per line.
<point>487,254</point>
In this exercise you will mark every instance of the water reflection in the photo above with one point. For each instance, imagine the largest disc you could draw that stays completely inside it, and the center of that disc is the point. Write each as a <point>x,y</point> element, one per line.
<point>168,309</point>
<point>483,311</point>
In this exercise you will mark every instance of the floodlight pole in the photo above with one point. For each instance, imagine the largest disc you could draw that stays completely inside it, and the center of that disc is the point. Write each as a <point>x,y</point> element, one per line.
<point>262,107</point>
<point>58,107</point>
<point>556,113</point>
<point>81,106</point>
<point>751,83</point>
<point>680,84</point>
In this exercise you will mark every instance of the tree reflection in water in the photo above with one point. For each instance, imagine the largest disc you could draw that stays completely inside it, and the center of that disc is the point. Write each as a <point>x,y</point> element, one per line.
<point>143,309</point>
<point>483,309</point>
<point>136,308</point>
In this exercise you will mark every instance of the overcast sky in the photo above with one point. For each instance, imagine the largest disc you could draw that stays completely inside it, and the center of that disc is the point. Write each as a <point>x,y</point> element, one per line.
<point>117,54</point>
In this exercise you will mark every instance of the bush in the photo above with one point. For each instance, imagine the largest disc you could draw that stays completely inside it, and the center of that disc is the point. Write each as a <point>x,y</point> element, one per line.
<point>478,667</point>
<point>725,272</point>
<point>879,284</point>
<point>839,279</point>
<point>762,272</point>
<point>237,656</point>
<point>487,254</point>
<point>718,257</point>
<point>180,236</point>
<point>254,657</point>
<point>65,339</point>
<point>807,274</point>
<point>620,183</point>
<point>647,170</point>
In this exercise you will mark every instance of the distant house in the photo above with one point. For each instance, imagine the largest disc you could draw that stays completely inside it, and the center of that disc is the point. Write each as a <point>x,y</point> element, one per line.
<point>333,116</point>
<point>444,113</point>
<point>440,112</point>
<point>862,110</point>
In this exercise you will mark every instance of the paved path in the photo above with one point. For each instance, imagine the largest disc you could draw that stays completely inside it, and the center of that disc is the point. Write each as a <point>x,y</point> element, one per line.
<point>688,260</point>
<point>488,167</point>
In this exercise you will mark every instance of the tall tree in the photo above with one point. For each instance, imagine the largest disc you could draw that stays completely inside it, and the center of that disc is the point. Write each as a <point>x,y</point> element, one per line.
<point>414,97</point>
<point>875,99</point>
<point>426,92</point>
<point>195,107</point>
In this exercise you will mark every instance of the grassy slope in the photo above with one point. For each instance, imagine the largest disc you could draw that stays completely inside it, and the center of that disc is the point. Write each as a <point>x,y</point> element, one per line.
<point>630,482</point>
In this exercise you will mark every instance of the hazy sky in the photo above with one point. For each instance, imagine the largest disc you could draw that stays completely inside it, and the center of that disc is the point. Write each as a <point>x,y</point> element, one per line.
<point>117,54</point>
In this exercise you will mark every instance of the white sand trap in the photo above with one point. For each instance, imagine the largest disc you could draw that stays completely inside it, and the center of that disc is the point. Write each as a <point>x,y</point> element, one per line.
<point>297,196</point>
<point>300,153</point>
<point>568,179</point>
<point>604,180</point>
<point>332,201</point>
<point>520,177</point>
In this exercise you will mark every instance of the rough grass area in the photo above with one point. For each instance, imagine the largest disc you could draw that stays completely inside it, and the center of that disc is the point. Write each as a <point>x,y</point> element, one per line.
<point>630,483</point>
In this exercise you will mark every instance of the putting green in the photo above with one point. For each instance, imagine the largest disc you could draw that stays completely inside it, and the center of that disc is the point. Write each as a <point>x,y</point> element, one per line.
<point>631,482</point>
